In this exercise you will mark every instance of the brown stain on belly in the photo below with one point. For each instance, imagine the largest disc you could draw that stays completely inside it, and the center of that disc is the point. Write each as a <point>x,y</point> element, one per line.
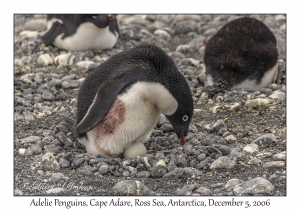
<point>109,124</point>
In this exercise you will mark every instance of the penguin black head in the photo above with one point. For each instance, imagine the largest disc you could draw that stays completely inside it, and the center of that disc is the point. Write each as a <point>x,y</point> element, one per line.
<point>143,77</point>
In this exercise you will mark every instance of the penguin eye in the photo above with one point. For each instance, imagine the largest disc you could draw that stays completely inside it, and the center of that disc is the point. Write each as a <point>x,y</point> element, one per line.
<point>94,16</point>
<point>185,118</point>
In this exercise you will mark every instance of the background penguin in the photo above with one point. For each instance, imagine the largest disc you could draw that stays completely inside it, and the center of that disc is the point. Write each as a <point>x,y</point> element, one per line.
<point>120,101</point>
<point>242,54</point>
<point>81,32</point>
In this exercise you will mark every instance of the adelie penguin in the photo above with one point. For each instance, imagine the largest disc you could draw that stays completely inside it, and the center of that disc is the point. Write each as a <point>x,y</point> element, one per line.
<point>120,101</point>
<point>81,31</point>
<point>242,54</point>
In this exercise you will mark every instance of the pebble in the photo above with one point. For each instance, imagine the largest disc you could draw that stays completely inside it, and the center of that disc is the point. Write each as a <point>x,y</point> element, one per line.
<point>274,164</point>
<point>86,65</point>
<point>49,163</point>
<point>193,128</point>
<point>177,173</point>
<point>222,162</point>
<point>162,34</point>
<point>78,162</point>
<point>255,161</point>
<point>167,128</point>
<point>256,103</point>
<point>251,148</point>
<point>159,169</point>
<point>265,140</point>
<point>186,26</point>
<point>232,183</point>
<point>44,60</point>
<point>186,190</point>
<point>143,174</point>
<point>52,148</point>
<point>204,191</point>
<point>280,156</point>
<point>24,152</point>
<point>64,59</point>
<point>17,192</point>
<point>36,25</point>
<point>63,163</point>
<point>217,125</point>
<point>277,95</point>
<point>36,149</point>
<point>71,84</point>
<point>131,187</point>
<point>55,190</point>
<point>30,139</point>
<point>29,34</point>
<point>224,149</point>
<point>103,169</point>
<point>57,177</point>
<point>192,172</point>
<point>87,170</point>
<point>254,186</point>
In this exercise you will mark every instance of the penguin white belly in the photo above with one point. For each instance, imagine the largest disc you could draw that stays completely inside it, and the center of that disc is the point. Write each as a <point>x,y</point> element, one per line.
<point>87,37</point>
<point>130,119</point>
<point>268,78</point>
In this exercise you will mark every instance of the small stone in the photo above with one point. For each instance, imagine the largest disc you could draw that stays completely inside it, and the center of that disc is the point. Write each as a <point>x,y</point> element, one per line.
<point>277,95</point>
<point>257,103</point>
<point>192,172</point>
<point>280,156</point>
<point>162,119</point>
<point>210,32</point>
<point>265,140</point>
<point>193,128</point>
<point>49,163</point>
<point>51,148</point>
<point>29,33</point>
<point>177,173</point>
<point>167,128</point>
<point>36,149</point>
<point>232,183</point>
<point>36,25</point>
<point>44,60</point>
<point>204,191</point>
<point>222,162</point>
<point>68,156</point>
<point>186,26</point>
<point>18,192</point>
<point>30,139</point>
<point>48,96</point>
<point>63,163</point>
<point>171,166</point>
<point>71,84</point>
<point>143,174</point>
<point>255,161</point>
<point>217,125</point>
<point>203,163</point>
<point>79,161</point>
<point>254,186</point>
<point>24,152</point>
<point>229,138</point>
<point>224,149</point>
<point>87,170</point>
<point>64,59</point>
<point>103,169</point>
<point>55,190</point>
<point>186,190</point>
<point>131,187</point>
<point>162,34</point>
<point>274,164</point>
<point>131,170</point>
<point>159,169</point>
<point>181,161</point>
<point>86,65</point>
<point>56,177</point>
<point>201,157</point>
<point>251,148</point>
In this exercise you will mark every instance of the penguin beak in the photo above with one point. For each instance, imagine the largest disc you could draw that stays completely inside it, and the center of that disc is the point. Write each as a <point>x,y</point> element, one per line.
<point>110,16</point>
<point>181,134</point>
<point>182,140</point>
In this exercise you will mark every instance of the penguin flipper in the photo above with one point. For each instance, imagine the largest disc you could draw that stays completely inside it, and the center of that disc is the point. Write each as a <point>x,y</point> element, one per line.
<point>105,96</point>
<point>49,36</point>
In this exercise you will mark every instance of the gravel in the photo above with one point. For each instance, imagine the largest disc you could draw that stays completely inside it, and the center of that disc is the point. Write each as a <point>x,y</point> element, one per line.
<point>236,143</point>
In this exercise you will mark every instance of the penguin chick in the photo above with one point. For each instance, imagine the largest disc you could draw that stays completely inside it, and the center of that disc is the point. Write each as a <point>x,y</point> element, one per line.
<point>242,54</point>
<point>120,101</point>
<point>81,32</point>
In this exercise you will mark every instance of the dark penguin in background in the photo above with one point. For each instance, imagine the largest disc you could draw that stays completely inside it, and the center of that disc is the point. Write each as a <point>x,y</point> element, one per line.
<point>120,101</point>
<point>81,32</point>
<point>242,54</point>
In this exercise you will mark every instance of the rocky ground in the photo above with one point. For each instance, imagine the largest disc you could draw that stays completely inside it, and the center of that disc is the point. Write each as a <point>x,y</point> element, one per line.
<point>237,139</point>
